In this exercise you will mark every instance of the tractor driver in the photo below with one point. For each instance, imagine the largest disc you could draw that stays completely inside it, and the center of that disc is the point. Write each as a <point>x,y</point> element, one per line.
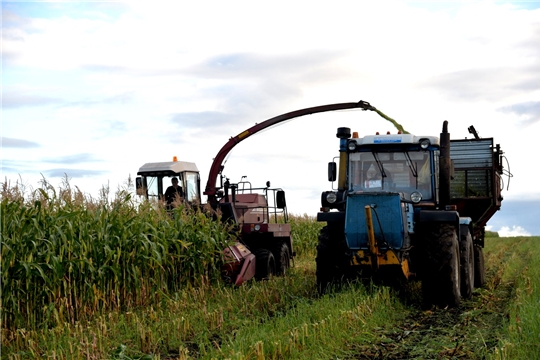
<point>173,192</point>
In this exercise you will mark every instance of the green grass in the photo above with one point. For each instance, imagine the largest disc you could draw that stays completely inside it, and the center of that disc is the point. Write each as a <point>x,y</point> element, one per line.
<point>280,318</point>
<point>521,332</point>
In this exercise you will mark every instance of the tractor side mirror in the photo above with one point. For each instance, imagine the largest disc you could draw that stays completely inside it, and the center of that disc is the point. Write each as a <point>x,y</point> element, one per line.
<point>332,171</point>
<point>139,185</point>
<point>280,199</point>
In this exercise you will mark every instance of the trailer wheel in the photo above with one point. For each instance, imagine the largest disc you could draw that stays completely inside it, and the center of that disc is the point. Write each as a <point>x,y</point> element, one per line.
<point>441,285</point>
<point>479,270</point>
<point>265,264</point>
<point>467,264</point>
<point>282,259</point>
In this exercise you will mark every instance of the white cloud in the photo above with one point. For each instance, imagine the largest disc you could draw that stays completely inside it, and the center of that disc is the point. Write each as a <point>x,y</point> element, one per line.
<point>515,230</point>
<point>111,84</point>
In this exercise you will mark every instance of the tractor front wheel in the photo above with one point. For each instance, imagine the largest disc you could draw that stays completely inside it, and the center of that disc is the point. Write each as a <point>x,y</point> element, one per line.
<point>331,264</point>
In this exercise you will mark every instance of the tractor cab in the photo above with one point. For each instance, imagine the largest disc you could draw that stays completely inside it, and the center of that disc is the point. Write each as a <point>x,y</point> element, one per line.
<point>394,163</point>
<point>154,178</point>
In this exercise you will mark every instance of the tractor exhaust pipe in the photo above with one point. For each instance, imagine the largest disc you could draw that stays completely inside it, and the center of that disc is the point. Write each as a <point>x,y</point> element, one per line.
<point>445,172</point>
<point>343,134</point>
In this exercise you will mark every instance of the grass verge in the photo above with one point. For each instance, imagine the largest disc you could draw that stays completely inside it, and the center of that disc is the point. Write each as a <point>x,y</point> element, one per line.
<point>521,333</point>
<point>276,319</point>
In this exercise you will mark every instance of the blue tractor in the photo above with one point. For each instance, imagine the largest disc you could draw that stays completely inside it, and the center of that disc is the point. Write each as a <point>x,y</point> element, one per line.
<point>410,207</point>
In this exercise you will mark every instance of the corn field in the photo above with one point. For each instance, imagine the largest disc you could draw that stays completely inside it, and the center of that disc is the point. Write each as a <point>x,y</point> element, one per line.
<point>66,256</point>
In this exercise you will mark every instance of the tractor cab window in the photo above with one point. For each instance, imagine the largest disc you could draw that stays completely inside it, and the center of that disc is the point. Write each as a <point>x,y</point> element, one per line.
<point>400,171</point>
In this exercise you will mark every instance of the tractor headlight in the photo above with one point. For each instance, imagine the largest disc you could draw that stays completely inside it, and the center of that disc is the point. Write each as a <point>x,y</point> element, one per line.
<point>424,143</point>
<point>416,197</point>
<point>351,145</point>
<point>331,197</point>
<point>257,227</point>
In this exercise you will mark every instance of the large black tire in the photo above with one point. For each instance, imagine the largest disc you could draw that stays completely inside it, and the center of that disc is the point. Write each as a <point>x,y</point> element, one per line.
<point>283,259</point>
<point>466,249</point>
<point>324,262</point>
<point>325,268</point>
<point>479,270</point>
<point>331,261</point>
<point>441,283</point>
<point>265,264</point>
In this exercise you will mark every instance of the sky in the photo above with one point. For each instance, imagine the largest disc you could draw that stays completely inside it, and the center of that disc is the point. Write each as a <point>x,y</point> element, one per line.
<point>94,90</point>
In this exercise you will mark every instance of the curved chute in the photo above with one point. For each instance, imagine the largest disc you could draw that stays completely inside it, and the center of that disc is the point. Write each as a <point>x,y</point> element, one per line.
<point>217,164</point>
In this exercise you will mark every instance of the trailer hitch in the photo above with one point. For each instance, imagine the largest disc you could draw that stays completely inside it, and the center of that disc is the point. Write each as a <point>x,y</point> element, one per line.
<point>374,256</point>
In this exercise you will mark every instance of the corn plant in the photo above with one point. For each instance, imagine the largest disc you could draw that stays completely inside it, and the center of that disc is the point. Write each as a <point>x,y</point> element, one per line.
<point>66,255</point>
<point>305,231</point>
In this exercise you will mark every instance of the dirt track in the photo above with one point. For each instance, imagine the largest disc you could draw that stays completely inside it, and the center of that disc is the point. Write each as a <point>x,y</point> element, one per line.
<point>470,331</point>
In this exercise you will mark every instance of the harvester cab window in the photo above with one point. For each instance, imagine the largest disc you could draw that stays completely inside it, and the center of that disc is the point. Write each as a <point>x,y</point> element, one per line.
<point>170,192</point>
<point>152,187</point>
<point>190,188</point>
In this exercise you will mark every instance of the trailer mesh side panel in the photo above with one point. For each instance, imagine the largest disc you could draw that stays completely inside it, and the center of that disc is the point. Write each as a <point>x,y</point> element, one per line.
<point>473,166</point>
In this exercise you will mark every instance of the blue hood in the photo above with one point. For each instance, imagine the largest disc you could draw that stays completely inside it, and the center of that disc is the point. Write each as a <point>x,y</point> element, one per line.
<point>387,213</point>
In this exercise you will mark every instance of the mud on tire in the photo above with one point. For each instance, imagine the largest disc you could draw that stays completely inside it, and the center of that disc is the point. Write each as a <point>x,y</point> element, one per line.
<point>466,250</point>
<point>479,270</point>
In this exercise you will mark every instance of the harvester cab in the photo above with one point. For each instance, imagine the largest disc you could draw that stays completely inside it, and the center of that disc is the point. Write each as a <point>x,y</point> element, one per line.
<point>155,178</point>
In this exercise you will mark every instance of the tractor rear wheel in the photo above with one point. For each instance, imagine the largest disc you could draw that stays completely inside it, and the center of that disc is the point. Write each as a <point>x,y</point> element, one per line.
<point>479,270</point>
<point>265,264</point>
<point>283,259</point>
<point>467,264</point>
<point>441,284</point>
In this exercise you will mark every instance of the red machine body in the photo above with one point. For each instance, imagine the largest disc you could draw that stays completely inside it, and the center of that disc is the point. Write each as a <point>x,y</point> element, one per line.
<point>265,246</point>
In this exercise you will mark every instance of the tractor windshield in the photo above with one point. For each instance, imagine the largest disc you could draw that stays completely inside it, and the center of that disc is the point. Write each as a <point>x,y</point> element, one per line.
<point>400,171</point>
